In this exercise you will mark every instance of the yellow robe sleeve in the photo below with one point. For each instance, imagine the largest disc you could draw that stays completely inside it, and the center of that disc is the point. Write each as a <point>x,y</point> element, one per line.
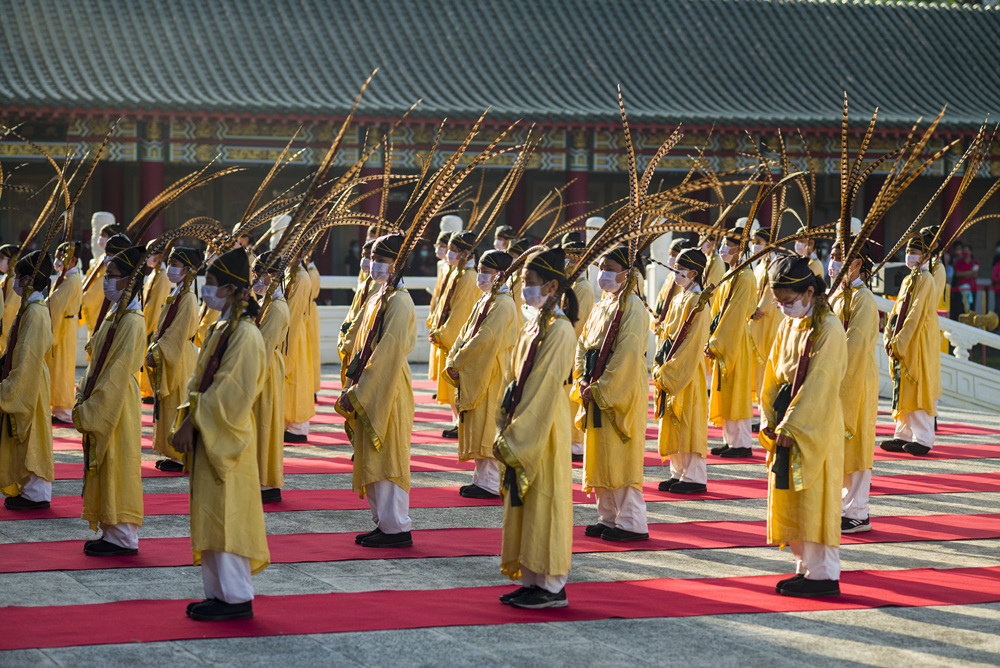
<point>297,298</point>
<point>349,328</point>
<point>205,322</point>
<point>24,398</point>
<point>93,297</point>
<point>859,391</point>
<point>64,305</point>
<point>479,357</point>
<point>584,292</point>
<point>688,360</point>
<point>155,293</point>
<point>463,298</point>
<point>274,325</point>
<point>173,352</point>
<point>729,340</point>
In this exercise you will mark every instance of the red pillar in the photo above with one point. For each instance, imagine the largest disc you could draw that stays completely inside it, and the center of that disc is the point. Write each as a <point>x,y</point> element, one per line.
<point>150,185</point>
<point>576,194</point>
<point>517,205</point>
<point>113,190</point>
<point>947,198</point>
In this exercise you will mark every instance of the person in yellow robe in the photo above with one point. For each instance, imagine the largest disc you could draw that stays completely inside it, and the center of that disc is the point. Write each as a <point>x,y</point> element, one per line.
<point>681,397</point>
<point>478,365</point>
<point>667,292</point>
<point>613,405</point>
<point>300,404</point>
<point>912,343</point>
<point>458,296</point>
<point>64,306</point>
<point>206,318</point>
<point>11,300</point>
<point>766,317</point>
<point>584,293</point>
<point>93,282</point>
<point>444,271</point>
<point>312,326</point>
<point>26,462</point>
<point>110,417</point>
<point>154,295</point>
<point>805,419</point>
<point>515,248</point>
<point>381,404</point>
<point>269,409</point>
<point>731,356</point>
<point>716,268</point>
<point>349,328</point>
<point>502,236</point>
<point>533,446</point>
<point>116,244</point>
<point>854,304</point>
<point>807,248</point>
<point>217,435</point>
<point>170,357</point>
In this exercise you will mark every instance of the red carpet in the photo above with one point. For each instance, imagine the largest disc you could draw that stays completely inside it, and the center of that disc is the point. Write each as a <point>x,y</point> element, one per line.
<point>447,497</point>
<point>467,542</point>
<point>149,621</point>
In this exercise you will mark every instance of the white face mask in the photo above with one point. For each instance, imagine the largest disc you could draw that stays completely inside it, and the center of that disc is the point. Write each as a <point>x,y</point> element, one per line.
<point>532,295</point>
<point>366,266</point>
<point>796,309</point>
<point>259,288</point>
<point>682,280</point>
<point>151,263</point>
<point>912,260</point>
<point>111,292</point>
<point>175,274</point>
<point>212,299</point>
<point>58,266</point>
<point>833,269</point>
<point>17,288</point>
<point>757,248</point>
<point>672,261</point>
<point>501,244</point>
<point>441,252</point>
<point>484,281</point>
<point>724,250</point>
<point>102,242</point>
<point>800,248</point>
<point>452,258</point>
<point>380,272</point>
<point>608,282</point>
<point>4,263</point>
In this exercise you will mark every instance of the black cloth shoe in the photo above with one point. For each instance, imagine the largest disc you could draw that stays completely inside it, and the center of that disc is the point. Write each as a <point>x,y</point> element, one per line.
<point>401,539</point>
<point>450,433</point>
<point>362,536</point>
<point>918,449</point>
<point>537,598</point>
<point>892,445</point>
<point>667,484</point>
<point>507,598</point>
<point>621,535</point>
<point>736,453</point>
<point>688,488</point>
<point>56,422</point>
<point>194,604</point>
<point>755,428</point>
<point>270,495</point>
<point>804,587</point>
<point>782,583</point>
<point>102,548</point>
<point>719,449</point>
<point>20,503</point>
<point>89,543</point>
<point>220,611</point>
<point>596,530</point>
<point>294,438</point>
<point>148,401</point>
<point>169,466</point>
<point>577,458</point>
<point>476,492</point>
<point>847,525</point>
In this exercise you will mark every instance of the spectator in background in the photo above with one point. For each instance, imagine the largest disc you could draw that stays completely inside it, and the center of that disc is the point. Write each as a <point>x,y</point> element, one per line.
<point>352,261</point>
<point>963,283</point>
<point>995,278</point>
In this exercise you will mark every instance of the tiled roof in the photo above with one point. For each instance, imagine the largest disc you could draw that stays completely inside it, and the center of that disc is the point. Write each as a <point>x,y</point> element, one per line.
<point>733,62</point>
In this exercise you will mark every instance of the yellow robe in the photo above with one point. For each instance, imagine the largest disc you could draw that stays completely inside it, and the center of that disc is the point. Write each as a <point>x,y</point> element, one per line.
<point>917,380</point>
<point>657,325</point>
<point>299,404</point>
<point>444,271</point>
<point>817,268</point>
<point>462,299</point>
<point>64,305</point>
<point>11,303</point>
<point>349,329</point>
<point>93,296</point>
<point>732,369</point>
<point>269,409</point>
<point>584,292</point>
<point>810,509</point>
<point>681,381</point>
<point>515,292</point>
<point>764,329</point>
<point>174,358</point>
<point>383,398</point>
<point>859,391</point>
<point>207,318</point>
<point>613,453</point>
<point>714,271</point>
<point>111,416</point>
<point>25,416</point>
<point>538,534</point>
<point>482,360</point>
<point>154,294</point>
<point>312,327</point>
<point>226,511</point>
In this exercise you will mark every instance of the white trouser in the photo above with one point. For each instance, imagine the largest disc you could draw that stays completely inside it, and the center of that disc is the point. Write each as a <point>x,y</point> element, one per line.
<point>63,414</point>
<point>916,427</point>
<point>857,485</point>
<point>737,433</point>
<point>124,535</point>
<point>815,560</point>
<point>577,448</point>
<point>454,415</point>
<point>264,488</point>
<point>487,475</point>
<point>622,508</point>
<point>298,428</point>
<point>550,583</point>
<point>226,576</point>
<point>36,489</point>
<point>688,467</point>
<point>390,506</point>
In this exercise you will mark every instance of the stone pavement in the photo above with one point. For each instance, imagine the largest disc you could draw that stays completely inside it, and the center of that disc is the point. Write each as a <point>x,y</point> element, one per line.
<point>938,635</point>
